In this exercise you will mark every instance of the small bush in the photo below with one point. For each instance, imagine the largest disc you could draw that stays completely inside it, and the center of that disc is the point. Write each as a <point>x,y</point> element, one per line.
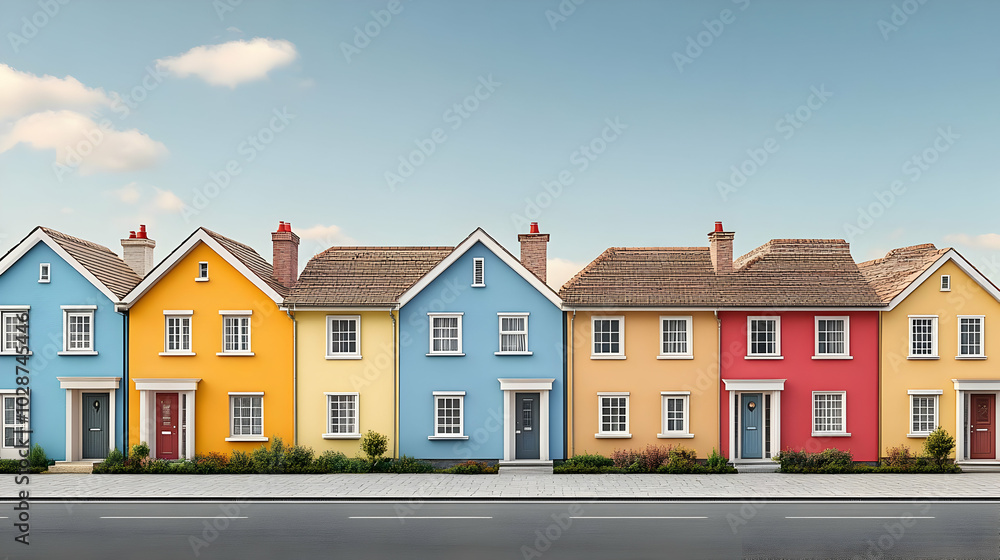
<point>37,458</point>
<point>568,468</point>
<point>717,462</point>
<point>939,445</point>
<point>269,459</point>
<point>139,451</point>
<point>374,446</point>
<point>298,459</point>
<point>589,461</point>
<point>409,465</point>
<point>240,462</point>
<point>115,458</point>
<point>898,457</point>
<point>330,462</point>
<point>624,458</point>
<point>471,467</point>
<point>9,466</point>
<point>828,461</point>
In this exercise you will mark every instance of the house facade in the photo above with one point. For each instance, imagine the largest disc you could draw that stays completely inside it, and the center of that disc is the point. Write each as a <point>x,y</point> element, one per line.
<point>481,357</point>
<point>936,351</point>
<point>210,352</point>
<point>67,289</point>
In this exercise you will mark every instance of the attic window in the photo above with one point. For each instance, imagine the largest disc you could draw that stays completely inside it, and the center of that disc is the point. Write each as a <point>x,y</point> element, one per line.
<point>945,283</point>
<point>478,273</point>
<point>44,273</point>
<point>202,272</point>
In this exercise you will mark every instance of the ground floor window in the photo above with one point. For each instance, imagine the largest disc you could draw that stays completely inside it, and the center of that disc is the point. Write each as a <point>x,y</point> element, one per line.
<point>829,413</point>
<point>14,422</point>
<point>613,414</point>
<point>449,415</point>
<point>923,414</point>
<point>675,414</point>
<point>343,413</point>
<point>247,415</point>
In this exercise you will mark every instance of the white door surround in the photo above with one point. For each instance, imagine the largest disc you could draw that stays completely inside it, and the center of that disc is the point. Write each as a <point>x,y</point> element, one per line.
<point>509,388</point>
<point>148,388</point>
<point>75,387</point>
<point>964,388</point>
<point>767,387</point>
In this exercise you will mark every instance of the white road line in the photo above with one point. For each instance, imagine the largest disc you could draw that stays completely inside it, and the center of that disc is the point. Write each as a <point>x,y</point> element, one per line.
<point>640,517</point>
<point>863,517</point>
<point>415,517</point>
<point>174,517</point>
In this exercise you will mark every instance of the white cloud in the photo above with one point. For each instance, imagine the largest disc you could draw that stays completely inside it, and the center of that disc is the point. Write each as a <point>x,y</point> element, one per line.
<point>984,241</point>
<point>22,93</point>
<point>81,143</point>
<point>129,194</point>
<point>558,271</point>
<point>233,63</point>
<point>326,235</point>
<point>168,201</point>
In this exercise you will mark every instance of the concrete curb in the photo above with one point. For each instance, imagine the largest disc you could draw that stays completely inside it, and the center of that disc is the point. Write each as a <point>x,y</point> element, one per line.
<point>923,498</point>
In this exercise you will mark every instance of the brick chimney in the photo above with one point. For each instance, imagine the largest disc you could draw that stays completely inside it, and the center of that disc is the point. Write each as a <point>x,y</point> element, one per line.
<point>534,250</point>
<point>720,245</point>
<point>286,254</point>
<point>137,251</point>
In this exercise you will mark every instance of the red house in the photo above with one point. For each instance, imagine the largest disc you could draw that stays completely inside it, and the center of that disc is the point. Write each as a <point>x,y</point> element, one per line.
<point>798,350</point>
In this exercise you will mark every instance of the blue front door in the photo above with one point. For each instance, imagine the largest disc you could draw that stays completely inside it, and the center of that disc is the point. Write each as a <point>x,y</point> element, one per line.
<point>751,405</point>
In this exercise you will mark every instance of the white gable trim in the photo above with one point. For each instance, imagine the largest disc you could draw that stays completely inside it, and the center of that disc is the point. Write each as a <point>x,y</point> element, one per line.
<point>959,260</point>
<point>199,236</point>
<point>480,236</point>
<point>39,236</point>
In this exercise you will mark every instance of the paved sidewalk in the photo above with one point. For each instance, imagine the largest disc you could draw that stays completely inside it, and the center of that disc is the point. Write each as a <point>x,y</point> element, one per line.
<point>507,486</point>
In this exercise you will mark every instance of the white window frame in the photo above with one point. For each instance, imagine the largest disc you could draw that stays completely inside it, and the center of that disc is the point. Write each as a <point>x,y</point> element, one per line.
<point>934,338</point>
<point>4,311</point>
<point>685,397</point>
<point>232,408</point>
<point>15,425</point>
<point>178,314</point>
<point>982,338</point>
<point>620,355</point>
<point>44,273</point>
<point>846,354</point>
<point>202,276</point>
<point>239,315</point>
<point>689,353</point>
<point>438,396</point>
<point>330,354</point>
<point>356,434</point>
<point>601,433</point>
<point>935,396</point>
<point>481,263</point>
<point>842,432</point>
<point>777,338</point>
<point>430,334</point>
<point>501,332</point>
<point>945,283</point>
<point>70,311</point>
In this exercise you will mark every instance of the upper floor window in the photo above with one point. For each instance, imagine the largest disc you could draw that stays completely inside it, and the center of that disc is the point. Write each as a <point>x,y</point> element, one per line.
<point>446,333</point>
<point>608,337</point>
<point>763,336</point>
<point>202,272</point>
<point>675,337</point>
<point>478,272</point>
<point>78,329</point>
<point>833,336</point>
<point>13,330</point>
<point>235,332</point>
<point>513,333</point>
<point>177,332</point>
<point>945,283</point>
<point>923,336</point>
<point>343,337</point>
<point>970,336</point>
<point>44,273</point>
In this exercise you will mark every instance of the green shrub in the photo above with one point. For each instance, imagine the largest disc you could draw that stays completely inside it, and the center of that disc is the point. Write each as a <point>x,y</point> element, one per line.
<point>114,459</point>
<point>37,458</point>
<point>939,445</point>
<point>828,461</point>
<point>624,458</point>
<point>212,463</point>
<point>139,451</point>
<point>9,466</point>
<point>717,462</point>
<point>407,464</point>
<point>298,459</point>
<point>569,468</point>
<point>374,446</point>
<point>157,466</point>
<point>471,467</point>
<point>269,459</point>
<point>589,460</point>
<point>330,462</point>
<point>240,462</point>
<point>898,458</point>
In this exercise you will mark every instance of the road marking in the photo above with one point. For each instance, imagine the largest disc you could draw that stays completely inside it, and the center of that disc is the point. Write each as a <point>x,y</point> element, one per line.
<point>863,517</point>
<point>640,517</point>
<point>174,517</point>
<point>416,517</point>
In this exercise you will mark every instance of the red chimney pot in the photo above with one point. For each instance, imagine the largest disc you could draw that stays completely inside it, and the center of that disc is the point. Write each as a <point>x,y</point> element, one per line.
<point>718,226</point>
<point>142,232</point>
<point>131,235</point>
<point>534,227</point>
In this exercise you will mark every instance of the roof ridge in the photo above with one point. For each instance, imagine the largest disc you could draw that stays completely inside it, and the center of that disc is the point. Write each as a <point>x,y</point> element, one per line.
<point>74,239</point>
<point>229,239</point>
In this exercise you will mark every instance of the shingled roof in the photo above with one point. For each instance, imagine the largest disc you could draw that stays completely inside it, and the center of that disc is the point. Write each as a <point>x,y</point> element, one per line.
<point>894,272</point>
<point>251,259</point>
<point>105,265</point>
<point>363,276</point>
<point>780,273</point>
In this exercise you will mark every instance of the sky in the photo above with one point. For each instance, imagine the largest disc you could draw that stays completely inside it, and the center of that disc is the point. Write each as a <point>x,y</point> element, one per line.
<point>413,122</point>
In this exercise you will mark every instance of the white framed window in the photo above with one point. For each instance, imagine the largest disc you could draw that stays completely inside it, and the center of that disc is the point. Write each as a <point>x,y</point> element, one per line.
<point>446,334</point>
<point>764,337</point>
<point>612,415</point>
<point>478,272</point>
<point>923,412</point>
<point>14,423</point>
<point>675,414</point>
<point>342,416</point>
<point>945,283</point>
<point>343,337</point>
<point>449,415</point>
<point>833,337</point>
<point>923,336</point>
<point>236,332</point>
<point>608,337</point>
<point>675,337</point>
<point>202,272</point>
<point>44,273</point>
<point>829,411</point>
<point>177,333</point>
<point>513,333</point>
<point>247,416</point>
<point>12,330</point>
<point>78,329</point>
<point>970,336</point>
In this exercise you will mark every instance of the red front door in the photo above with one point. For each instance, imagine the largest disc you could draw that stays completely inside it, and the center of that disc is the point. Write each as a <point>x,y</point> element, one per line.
<point>166,425</point>
<point>982,438</point>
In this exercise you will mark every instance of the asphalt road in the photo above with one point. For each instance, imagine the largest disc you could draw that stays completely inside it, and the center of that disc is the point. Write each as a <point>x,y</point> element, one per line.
<point>556,530</point>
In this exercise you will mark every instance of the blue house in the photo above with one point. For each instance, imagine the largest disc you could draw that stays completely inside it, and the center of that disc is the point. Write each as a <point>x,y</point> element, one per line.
<point>67,288</point>
<point>481,357</point>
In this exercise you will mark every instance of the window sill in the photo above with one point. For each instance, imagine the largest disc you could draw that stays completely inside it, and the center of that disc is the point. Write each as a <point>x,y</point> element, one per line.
<point>832,357</point>
<point>177,353</point>
<point>344,357</point>
<point>675,357</point>
<point>77,353</point>
<point>443,438</point>
<point>512,353</point>
<point>923,357</point>
<point>607,356</point>
<point>918,435</point>
<point>341,436</point>
<point>763,357</point>
<point>675,436</point>
<point>234,353</point>
<point>247,438</point>
<point>445,353</point>
<point>970,357</point>
<point>831,434</point>
<point>15,354</point>
<point>613,436</point>
<point>201,279</point>
<point>478,285</point>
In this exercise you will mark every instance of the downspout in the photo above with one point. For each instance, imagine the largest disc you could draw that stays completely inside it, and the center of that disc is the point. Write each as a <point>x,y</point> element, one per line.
<point>878,405</point>
<point>295,373</point>
<point>572,400</point>
<point>395,390</point>
<point>718,380</point>
<point>125,394</point>
<point>565,381</point>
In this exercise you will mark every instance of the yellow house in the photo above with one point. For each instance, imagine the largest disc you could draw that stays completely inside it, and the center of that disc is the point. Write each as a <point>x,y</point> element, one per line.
<point>935,354</point>
<point>347,341</point>
<point>210,351</point>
